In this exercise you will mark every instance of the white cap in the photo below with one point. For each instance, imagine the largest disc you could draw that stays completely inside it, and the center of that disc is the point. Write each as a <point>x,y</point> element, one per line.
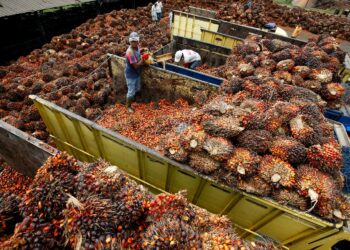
<point>134,37</point>
<point>178,56</point>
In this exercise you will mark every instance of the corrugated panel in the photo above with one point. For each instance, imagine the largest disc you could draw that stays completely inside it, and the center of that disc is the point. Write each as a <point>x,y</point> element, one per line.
<point>14,7</point>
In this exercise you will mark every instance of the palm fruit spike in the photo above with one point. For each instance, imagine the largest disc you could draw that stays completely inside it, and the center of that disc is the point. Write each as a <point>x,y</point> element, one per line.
<point>258,141</point>
<point>193,138</point>
<point>218,147</point>
<point>326,157</point>
<point>173,148</point>
<point>245,69</point>
<point>288,149</point>
<point>203,163</point>
<point>285,65</point>
<point>315,184</point>
<point>321,75</point>
<point>277,172</point>
<point>291,198</point>
<point>226,126</point>
<point>303,71</point>
<point>255,185</point>
<point>332,91</point>
<point>303,132</point>
<point>242,162</point>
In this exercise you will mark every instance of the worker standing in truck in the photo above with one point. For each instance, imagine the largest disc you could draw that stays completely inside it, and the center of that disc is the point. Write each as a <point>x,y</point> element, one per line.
<point>190,58</point>
<point>133,67</point>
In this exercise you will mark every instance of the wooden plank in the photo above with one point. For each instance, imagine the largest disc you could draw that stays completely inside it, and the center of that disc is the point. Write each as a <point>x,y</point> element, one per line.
<point>22,151</point>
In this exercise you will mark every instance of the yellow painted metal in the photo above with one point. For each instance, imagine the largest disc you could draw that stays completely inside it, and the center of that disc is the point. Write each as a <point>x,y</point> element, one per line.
<point>190,25</point>
<point>292,228</point>
<point>219,39</point>
<point>344,74</point>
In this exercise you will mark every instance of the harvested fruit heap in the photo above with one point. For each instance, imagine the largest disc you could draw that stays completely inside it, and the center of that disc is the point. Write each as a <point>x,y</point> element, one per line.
<point>314,66</point>
<point>265,11</point>
<point>110,212</point>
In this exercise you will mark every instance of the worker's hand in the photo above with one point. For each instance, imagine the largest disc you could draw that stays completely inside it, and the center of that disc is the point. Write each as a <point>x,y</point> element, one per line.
<point>145,57</point>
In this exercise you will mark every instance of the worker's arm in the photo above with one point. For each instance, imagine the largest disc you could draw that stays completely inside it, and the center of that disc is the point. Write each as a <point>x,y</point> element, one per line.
<point>138,64</point>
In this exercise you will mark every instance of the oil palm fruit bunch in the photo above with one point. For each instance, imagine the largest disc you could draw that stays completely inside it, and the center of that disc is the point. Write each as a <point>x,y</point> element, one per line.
<point>285,65</point>
<point>90,223</point>
<point>321,75</point>
<point>302,132</point>
<point>193,138</point>
<point>303,71</point>
<point>9,213</point>
<point>203,163</point>
<point>315,184</point>
<point>265,92</point>
<point>276,171</point>
<point>217,106</point>
<point>173,148</point>
<point>288,149</point>
<point>326,157</point>
<point>225,239</point>
<point>245,69</point>
<point>258,141</point>
<point>291,198</point>
<point>279,114</point>
<point>219,148</point>
<point>288,92</point>
<point>313,85</point>
<point>282,55</point>
<point>332,91</point>
<point>268,64</point>
<point>262,72</point>
<point>252,59</point>
<point>284,76</point>
<point>232,86</point>
<point>243,162</point>
<point>226,126</point>
<point>255,185</point>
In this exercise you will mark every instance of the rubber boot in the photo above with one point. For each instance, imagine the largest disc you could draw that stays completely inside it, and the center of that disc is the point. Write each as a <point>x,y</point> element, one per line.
<point>128,105</point>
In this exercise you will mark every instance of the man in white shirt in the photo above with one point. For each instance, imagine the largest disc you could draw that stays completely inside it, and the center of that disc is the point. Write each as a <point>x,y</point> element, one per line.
<point>154,13</point>
<point>159,8</point>
<point>190,58</point>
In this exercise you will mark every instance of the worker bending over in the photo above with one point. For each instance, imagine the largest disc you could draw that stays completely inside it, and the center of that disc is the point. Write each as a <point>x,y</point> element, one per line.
<point>190,58</point>
<point>133,66</point>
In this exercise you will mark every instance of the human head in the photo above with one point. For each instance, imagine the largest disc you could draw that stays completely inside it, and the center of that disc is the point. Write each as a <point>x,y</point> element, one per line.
<point>134,39</point>
<point>178,56</point>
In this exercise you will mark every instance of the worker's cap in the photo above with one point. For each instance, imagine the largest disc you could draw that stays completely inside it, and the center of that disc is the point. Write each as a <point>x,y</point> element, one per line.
<point>134,37</point>
<point>178,56</point>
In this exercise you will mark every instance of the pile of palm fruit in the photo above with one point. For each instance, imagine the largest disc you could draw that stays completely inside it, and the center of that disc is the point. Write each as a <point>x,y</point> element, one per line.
<point>265,133</point>
<point>70,205</point>
<point>265,11</point>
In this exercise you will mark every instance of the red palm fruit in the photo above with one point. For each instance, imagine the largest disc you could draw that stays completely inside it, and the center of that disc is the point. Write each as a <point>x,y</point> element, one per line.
<point>277,172</point>
<point>332,91</point>
<point>284,76</point>
<point>245,69</point>
<point>321,75</point>
<point>285,65</point>
<point>303,71</point>
<point>326,157</point>
<point>255,185</point>
<point>315,184</point>
<point>288,149</point>
<point>243,162</point>
<point>226,126</point>
<point>203,163</point>
<point>258,141</point>
<point>193,138</point>
<point>291,198</point>
<point>218,148</point>
<point>302,132</point>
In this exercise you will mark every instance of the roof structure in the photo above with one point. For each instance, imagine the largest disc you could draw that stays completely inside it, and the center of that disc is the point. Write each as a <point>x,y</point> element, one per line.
<point>14,7</point>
